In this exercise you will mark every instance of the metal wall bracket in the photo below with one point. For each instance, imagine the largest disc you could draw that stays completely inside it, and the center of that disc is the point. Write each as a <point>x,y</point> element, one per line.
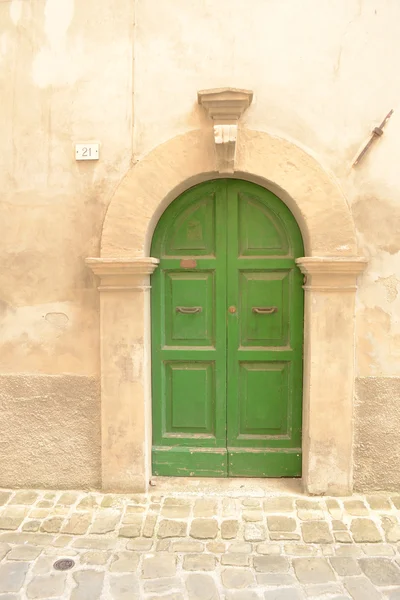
<point>376,133</point>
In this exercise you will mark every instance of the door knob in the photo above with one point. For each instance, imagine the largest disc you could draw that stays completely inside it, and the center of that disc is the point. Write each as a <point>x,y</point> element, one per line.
<point>232,309</point>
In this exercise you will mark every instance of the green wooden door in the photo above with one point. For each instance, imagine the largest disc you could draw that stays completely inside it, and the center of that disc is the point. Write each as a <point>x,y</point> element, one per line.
<point>227,334</point>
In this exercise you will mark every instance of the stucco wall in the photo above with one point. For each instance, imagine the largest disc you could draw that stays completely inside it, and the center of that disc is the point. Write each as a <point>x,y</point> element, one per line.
<point>49,431</point>
<point>66,77</point>
<point>376,451</point>
<point>323,74</point>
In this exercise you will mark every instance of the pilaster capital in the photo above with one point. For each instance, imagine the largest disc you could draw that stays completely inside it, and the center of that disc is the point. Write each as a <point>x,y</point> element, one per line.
<point>331,273</point>
<point>123,274</point>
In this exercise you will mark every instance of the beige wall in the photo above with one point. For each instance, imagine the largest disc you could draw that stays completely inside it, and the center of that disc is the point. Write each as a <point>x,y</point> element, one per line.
<point>65,77</point>
<point>323,73</point>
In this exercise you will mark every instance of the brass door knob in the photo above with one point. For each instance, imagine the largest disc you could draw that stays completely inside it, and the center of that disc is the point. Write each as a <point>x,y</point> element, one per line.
<point>232,309</point>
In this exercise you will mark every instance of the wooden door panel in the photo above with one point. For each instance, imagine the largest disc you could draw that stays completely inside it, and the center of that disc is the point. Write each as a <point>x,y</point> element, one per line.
<point>261,462</point>
<point>263,391</point>
<point>192,231</point>
<point>190,400</point>
<point>188,462</point>
<point>264,308</point>
<point>189,336</point>
<point>260,230</point>
<point>189,308</point>
<point>264,335</point>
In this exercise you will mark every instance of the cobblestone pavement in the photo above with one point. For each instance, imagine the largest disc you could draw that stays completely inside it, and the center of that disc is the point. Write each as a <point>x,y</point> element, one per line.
<point>198,547</point>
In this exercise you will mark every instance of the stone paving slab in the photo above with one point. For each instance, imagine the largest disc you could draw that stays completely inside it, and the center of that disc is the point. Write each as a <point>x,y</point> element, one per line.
<point>193,546</point>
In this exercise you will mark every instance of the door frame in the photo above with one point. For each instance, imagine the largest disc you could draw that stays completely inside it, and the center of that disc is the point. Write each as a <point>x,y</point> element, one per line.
<point>331,266</point>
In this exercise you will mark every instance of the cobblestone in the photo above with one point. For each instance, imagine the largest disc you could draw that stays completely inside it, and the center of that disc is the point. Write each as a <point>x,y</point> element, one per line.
<point>268,548</point>
<point>254,532</point>
<point>360,588</point>
<point>12,576</point>
<point>105,522</point>
<point>365,530</point>
<point>316,532</point>
<point>242,595</point>
<point>229,529</point>
<point>235,559</point>
<point>342,537</point>
<point>271,564</point>
<point>199,547</point>
<point>199,562</point>
<point>188,546</point>
<point>275,579</point>
<point>89,585</point>
<point>24,553</point>
<point>381,571</point>
<point>175,508</point>
<point>125,562</point>
<point>95,557</point>
<point>204,528</point>
<point>161,585</point>
<point>345,566</point>
<point>201,587</point>
<point>283,594</point>
<point>46,586</point>
<point>356,507</point>
<point>11,517</point>
<point>140,544</point>
<point>124,587</point>
<point>52,525</point>
<point>149,526</point>
<point>237,578</point>
<point>131,531</point>
<point>252,516</point>
<point>78,524</point>
<point>281,523</point>
<point>391,527</point>
<point>313,570</point>
<point>205,507</point>
<point>172,529</point>
<point>24,497</point>
<point>379,503</point>
<point>216,547</point>
<point>159,566</point>
<point>278,505</point>
<point>4,497</point>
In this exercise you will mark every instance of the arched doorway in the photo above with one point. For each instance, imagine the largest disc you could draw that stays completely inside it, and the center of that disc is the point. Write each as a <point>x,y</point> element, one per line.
<point>330,263</point>
<point>227,334</point>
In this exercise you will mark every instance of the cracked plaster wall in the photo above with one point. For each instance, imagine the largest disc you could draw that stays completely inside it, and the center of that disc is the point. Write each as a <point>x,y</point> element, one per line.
<point>323,73</point>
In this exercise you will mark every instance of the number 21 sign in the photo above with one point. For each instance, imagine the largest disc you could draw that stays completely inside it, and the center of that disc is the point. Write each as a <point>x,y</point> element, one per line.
<point>87,151</point>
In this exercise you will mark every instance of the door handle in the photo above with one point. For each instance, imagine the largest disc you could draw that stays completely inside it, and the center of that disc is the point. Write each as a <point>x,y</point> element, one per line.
<point>264,310</point>
<point>189,310</point>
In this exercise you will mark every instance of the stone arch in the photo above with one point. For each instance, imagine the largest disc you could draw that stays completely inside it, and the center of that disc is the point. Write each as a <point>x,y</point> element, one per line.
<point>331,267</point>
<point>310,192</point>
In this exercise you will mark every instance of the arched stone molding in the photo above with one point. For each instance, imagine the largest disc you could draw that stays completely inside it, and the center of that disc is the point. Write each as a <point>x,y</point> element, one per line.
<point>297,178</point>
<point>331,266</point>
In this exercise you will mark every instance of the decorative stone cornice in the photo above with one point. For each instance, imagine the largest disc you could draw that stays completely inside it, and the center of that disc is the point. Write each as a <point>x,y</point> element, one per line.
<point>225,106</point>
<point>337,273</point>
<point>123,274</point>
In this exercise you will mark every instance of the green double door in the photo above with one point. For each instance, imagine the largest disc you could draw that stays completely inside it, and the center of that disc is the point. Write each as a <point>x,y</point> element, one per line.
<point>227,335</point>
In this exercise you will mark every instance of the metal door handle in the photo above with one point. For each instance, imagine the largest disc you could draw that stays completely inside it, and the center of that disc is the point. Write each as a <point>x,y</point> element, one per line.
<point>264,310</point>
<point>189,310</point>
